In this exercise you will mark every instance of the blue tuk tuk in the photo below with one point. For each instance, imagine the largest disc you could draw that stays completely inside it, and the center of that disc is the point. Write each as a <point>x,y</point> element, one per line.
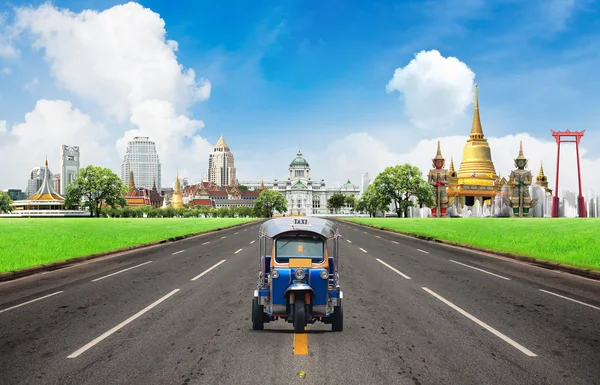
<point>298,280</point>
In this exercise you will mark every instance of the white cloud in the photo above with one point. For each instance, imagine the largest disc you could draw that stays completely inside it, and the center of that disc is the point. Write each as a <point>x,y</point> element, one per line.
<point>7,50</point>
<point>6,71</point>
<point>120,60</point>
<point>49,125</point>
<point>436,90</point>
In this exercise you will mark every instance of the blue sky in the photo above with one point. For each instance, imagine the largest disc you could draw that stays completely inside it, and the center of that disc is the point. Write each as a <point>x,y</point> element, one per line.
<point>308,73</point>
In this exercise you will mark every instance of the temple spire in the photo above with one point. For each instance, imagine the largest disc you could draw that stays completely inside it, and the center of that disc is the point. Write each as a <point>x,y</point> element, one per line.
<point>131,181</point>
<point>476,129</point>
<point>177,187</point>
<point>451,170</point>
<point>541,169</point>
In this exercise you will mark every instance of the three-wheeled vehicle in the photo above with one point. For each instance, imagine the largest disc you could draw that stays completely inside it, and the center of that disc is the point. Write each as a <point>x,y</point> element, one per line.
<point>298,279</point>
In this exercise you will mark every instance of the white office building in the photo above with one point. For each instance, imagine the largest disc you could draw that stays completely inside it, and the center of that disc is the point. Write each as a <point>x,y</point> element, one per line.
<point>141,158</point>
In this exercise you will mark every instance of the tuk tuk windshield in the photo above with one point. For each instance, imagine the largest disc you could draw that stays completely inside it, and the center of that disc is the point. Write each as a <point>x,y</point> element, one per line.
<point>299,246</point>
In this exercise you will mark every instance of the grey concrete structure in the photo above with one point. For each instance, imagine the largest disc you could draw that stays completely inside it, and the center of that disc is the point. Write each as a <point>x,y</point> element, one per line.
<point>69,166</point>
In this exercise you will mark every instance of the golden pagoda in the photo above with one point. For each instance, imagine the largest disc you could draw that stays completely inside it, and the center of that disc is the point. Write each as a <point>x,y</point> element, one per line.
<point>476,178</point>
<point>176,201</point>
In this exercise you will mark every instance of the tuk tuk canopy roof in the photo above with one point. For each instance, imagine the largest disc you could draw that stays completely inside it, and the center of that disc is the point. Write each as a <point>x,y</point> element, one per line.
<point>276,226</point>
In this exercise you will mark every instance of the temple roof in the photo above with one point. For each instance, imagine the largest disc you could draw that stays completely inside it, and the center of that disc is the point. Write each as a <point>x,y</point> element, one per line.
<point>46,191</point>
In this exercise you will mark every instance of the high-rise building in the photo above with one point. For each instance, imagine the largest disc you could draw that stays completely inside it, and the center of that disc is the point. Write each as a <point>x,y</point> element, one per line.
<point>221,169</point>
<point>141,158</point>
<point>365,182</point>
<point>36,178</point>
<point>69,166</point>
<point>56,184</point>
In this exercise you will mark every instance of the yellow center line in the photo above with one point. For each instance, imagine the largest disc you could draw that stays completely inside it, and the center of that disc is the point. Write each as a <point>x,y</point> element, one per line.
<point>301,343</point>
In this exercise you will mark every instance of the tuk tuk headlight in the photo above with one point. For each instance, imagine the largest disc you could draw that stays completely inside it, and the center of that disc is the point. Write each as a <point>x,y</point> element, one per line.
<point>275,274</point>
<point>324,274</point>
<point>300,273</point>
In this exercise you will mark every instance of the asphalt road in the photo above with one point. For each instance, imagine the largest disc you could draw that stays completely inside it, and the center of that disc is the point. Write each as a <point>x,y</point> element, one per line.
<point>415,313</point>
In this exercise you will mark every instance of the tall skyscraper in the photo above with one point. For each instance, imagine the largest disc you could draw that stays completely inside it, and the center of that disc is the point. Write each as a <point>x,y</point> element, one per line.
<point>221,169</point>
<point>36,177</point>
<point>69,166</point>
<point>365,182</point>
<point>141,158</point>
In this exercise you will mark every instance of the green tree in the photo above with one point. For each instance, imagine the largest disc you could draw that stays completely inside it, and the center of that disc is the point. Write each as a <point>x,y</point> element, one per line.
<point>243,188</point>
<point>398,184</point>
<point>269,201</point>
<point>244,211</point>
<point>350,201</point>
<point>96,186</point>
<point>371,201</point>
<point>5,203</point>
<point>336,201</point>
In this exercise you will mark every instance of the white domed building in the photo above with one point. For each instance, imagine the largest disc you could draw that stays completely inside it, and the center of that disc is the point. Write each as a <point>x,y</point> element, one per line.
<point>304,195</point>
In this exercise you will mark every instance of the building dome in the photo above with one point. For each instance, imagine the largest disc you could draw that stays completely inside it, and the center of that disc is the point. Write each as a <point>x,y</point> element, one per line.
<point>299,161</point>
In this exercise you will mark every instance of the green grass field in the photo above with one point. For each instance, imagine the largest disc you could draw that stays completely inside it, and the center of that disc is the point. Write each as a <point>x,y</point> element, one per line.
<point>569,241</point>
<point>33,242</point>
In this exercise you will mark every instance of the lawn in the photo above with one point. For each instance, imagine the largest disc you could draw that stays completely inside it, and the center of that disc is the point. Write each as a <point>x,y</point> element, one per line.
<point>569,241</point>
<point>32,242</point>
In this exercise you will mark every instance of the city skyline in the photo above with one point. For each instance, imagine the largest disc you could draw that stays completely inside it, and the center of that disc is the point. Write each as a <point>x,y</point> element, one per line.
<point>284,85</point>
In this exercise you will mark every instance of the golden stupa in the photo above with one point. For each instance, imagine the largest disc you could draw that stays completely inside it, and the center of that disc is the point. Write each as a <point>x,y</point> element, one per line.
<point>476,178</point>
<point>176,201</point>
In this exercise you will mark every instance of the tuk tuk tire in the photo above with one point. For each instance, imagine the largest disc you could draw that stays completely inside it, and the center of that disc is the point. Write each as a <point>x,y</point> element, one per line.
<point>257,315</point>
<point>299,314</point>
<point>337,324</point>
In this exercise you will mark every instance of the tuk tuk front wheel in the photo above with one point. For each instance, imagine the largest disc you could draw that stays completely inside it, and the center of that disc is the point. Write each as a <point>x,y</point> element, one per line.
<point>337,324</point>
<point>257,315</point>
<point>299,314</point>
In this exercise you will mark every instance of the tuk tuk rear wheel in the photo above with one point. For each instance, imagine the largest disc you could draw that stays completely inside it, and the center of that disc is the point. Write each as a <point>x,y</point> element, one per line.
<point>257,315</point>
<point>337,324</point>
<point>299,314</point>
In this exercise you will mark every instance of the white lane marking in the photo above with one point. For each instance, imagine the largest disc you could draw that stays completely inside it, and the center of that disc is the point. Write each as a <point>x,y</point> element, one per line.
<point>349,241</point>
<point>395,242</point>
<point>207,270</point>
<point>363,250</point>
<point>570,299</point>
<point>482,324</point>
<point>237,251</point>
<point>253,241</point>
<point>365,232</point>
<point>235,233</point>
<point>377,236</point>
<point>119,326</point>
<point>28,302</point>
<point>485,271</point>
<point>393,269</point>
<point>177,252</point>
<point>423,251</point>
<point>120,271</point>
<point>355,229</point>
<point>245,229</point>
<point>225,236</point>
<point>206,243</point>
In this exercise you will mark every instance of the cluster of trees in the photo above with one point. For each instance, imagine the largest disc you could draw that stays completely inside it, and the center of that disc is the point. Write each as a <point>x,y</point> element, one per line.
<point>339,200</point>
<point>5,203</point>
<point>396,185</point>
<point>184,212</point>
